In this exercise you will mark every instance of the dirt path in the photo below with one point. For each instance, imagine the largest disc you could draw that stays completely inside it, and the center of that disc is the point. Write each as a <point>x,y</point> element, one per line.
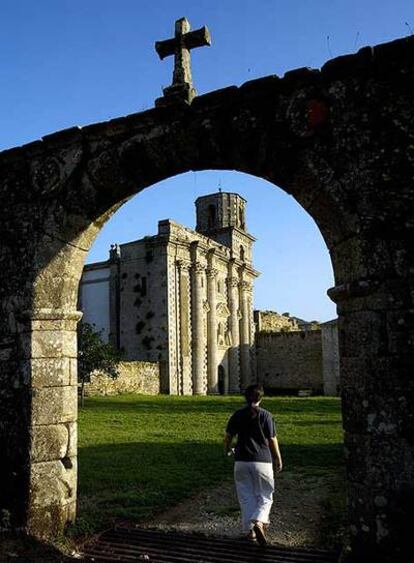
<point>295,519</point>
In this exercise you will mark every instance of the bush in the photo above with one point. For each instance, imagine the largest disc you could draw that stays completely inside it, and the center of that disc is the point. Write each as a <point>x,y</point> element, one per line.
<point>95,354</point>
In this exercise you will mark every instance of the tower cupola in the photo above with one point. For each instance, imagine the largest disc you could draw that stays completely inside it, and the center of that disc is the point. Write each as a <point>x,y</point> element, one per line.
<point>220,211</point>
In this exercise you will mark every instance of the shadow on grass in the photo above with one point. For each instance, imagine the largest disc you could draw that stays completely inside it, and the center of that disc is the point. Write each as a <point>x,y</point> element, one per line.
<point>136,480</point>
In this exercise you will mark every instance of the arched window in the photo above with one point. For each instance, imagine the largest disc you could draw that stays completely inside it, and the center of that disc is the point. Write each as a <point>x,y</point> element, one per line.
<point>211,216</point>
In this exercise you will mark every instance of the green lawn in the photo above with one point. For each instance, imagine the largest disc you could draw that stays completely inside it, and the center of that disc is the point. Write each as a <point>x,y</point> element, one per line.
<point>139,454</point>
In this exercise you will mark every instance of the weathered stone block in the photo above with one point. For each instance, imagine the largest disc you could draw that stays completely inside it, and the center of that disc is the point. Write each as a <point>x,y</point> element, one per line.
<point>73,439</point>
<point>50,372</point>
<point>45,522</point>
<point>53,324</point>
<point>57,291</point>
<point>50,442</point>
<point>53,483</point>
<point>70,509</point>
<point>363,333</point>
<point>53,488</point>
<point>400,330</point>
<point>53,344</point>
<point>73,367</point>
<point>52,405</point>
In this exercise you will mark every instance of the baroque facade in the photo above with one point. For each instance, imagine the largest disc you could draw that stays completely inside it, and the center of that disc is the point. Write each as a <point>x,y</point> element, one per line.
<point>182,298</point>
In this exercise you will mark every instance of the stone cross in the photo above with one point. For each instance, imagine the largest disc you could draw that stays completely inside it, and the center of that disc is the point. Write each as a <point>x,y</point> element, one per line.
<point>182,88</point>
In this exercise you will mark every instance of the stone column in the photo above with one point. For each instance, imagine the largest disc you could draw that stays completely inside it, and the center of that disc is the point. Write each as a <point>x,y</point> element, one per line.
<point>198,338</point>
<point>377,390</point>
<point>233,297</point>
<point>212,374</point>
<point>186,385</point>
<point>245,344</point>
<point>52,368</point>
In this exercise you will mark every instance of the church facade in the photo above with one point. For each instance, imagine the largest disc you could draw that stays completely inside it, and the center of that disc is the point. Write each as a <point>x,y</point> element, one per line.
<point>182,298</point>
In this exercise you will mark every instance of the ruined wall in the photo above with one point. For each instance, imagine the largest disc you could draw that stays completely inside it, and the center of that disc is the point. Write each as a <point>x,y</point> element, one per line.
<point>134,377</point>
<point>289,361</point>
<point>330,357</point>
<point>271,321</point>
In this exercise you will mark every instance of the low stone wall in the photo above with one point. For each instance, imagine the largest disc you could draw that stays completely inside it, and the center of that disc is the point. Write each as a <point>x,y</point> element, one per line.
<point>290,361</point>
<point>134,377</point>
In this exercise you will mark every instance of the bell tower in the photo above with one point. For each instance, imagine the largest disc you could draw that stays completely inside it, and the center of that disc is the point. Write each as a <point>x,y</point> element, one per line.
<point>222,217</point>
<point>219,211</point>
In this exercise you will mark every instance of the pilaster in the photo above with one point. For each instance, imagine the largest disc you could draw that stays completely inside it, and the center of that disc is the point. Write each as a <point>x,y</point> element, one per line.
<point>246,288</point>
<point>198,337</point>
<point>186,384</point>
<point>212,373</point>
<point>233,296</point>
<point>52,364</point>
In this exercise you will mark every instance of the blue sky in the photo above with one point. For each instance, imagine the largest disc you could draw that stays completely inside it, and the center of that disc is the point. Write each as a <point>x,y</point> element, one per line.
<point>76,62</point>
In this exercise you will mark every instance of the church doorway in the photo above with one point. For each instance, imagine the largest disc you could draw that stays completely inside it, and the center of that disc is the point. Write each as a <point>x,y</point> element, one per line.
<point>222,380</point>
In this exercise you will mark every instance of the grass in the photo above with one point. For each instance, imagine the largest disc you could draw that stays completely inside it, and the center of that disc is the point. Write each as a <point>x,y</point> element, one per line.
<point>140,454</point>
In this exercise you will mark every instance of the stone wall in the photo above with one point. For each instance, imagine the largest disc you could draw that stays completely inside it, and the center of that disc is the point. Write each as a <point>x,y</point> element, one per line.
<point>134,377</point>
<point>290,361</point>
<point>330,357</point>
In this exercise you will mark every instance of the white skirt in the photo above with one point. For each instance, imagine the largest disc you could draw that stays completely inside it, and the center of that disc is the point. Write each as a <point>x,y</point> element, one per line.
<point>254,485</point>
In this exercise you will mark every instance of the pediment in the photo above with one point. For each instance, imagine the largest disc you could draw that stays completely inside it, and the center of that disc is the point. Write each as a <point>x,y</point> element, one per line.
<point>222,310</point>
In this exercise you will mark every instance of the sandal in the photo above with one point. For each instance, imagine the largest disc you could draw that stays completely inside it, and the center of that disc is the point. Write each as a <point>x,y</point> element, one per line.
<point>258,529</point>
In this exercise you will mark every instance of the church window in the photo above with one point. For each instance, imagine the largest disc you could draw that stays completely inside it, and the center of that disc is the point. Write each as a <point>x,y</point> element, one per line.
<point>211,216</point>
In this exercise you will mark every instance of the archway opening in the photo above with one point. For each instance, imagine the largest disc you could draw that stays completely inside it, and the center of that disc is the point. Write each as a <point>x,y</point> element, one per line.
<point>143,326</point>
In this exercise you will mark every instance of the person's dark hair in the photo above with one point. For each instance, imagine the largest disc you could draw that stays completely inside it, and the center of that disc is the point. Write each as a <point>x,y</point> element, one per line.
<point>254,393</point>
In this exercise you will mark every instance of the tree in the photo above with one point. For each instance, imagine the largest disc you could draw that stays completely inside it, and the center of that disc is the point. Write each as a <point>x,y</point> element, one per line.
<point>94,354</point>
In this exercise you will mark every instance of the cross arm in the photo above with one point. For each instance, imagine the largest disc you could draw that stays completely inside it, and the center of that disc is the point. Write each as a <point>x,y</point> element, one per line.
<point>197,38</point>
<point>165,48</point>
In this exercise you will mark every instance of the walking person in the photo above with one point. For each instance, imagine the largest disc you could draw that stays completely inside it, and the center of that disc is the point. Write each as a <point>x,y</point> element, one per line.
<point>256,448</point>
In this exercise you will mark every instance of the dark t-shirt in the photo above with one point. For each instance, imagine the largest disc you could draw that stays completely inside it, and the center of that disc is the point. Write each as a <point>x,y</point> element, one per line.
<point>253,434</point>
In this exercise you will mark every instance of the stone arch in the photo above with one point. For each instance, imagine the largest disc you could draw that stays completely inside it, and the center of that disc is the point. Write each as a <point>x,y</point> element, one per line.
<point>340,142</point>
